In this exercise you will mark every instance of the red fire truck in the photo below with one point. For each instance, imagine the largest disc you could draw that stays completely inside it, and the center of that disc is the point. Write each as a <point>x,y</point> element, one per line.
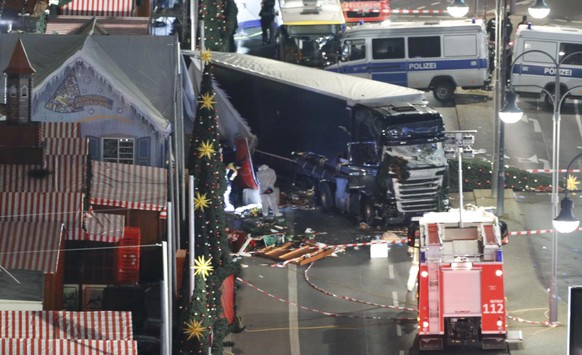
<point>461,298</point>
<point>365,10</point>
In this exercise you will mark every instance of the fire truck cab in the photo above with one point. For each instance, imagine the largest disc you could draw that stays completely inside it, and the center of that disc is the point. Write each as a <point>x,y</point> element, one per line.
<point>461,299</point>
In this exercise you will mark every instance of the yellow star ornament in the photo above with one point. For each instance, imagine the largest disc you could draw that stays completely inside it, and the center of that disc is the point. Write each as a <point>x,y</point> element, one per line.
<point>202,267</point>
<point>207,100</point>
<point>206,56</point>
<point>201,201</point>
<point>194,329</point>
<point>206,150</point>
<point>572,183</point>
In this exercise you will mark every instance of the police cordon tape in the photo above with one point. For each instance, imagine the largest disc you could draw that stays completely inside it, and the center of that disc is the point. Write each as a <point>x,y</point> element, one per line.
<point>549,171</point>
<point>400,242</point>
<point>406,11</point>
<point>328,293</point>
<point>540,231</point>
<point>403,240</point>
<point>521,320</point>
<point>330,314</point>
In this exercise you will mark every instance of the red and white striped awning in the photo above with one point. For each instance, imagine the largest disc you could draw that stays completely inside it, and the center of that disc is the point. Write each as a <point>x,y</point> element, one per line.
<point>98,325</point>
<point>99,8</point>
<point>66,174</point>
<point>104,227</point>
<point>60,207</point>
<point>67,347</point>
<point>30,246</point>
<point>134,187</point>
<point>67,146</point>
<point>60,130</point>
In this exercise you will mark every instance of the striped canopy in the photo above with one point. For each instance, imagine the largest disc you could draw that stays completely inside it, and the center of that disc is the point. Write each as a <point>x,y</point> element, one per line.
<point>67,347</point>
<point>59,207</point>
<point>99,8</point>
<point>30,246</point>
<point>98,325</point>
<point>129,186</point>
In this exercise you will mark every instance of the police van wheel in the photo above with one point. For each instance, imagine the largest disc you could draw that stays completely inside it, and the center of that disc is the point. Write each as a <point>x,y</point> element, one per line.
<point>443,91</point>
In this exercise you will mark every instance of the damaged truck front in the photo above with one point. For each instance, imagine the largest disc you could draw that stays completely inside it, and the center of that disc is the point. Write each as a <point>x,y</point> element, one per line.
<point>371,149</point>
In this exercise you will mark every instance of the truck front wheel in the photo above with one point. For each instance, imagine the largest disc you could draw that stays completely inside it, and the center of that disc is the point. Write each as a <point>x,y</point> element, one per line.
<point>369,212</point>
<point>326,197</point>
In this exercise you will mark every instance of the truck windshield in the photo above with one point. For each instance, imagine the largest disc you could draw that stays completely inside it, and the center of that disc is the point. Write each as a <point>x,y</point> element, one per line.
<point>419,155</point>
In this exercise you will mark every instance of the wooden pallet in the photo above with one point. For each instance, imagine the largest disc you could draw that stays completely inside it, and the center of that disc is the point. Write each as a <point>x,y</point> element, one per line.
<point>297,255</point>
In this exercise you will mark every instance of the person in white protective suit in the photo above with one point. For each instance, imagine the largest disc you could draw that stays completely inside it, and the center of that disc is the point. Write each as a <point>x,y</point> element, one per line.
<point>267,178</point>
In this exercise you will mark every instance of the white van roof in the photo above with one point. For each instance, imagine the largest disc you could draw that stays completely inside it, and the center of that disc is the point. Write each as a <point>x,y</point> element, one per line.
<point>430,27</point>
<point>311,12</point>
<point>550,32</point>
<point>352,89</point>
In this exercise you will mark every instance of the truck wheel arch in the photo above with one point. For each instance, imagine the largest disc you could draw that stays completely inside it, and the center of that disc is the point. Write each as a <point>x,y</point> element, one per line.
<point>443,88</point>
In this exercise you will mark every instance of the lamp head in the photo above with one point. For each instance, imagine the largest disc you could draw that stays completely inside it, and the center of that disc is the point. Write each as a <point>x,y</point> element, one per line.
<point>510,113</point>
<point>566,222</point>
<point>539,9</point>
<point>458,8</point>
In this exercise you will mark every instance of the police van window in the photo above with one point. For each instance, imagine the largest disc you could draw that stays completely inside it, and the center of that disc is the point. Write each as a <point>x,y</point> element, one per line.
<point>537,57</point>
<point>357,49</point>
<point>568,49</point>
<point>424,47</point>
<point>460,46</point>
<point>388,48</point>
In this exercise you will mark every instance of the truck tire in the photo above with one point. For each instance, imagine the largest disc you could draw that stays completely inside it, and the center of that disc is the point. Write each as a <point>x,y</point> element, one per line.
<point>443,90</point>
<point>326,198</point>
<point>369,212</point>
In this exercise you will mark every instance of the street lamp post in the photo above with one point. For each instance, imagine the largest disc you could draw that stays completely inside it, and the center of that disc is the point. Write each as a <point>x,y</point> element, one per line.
<point>538,9</point>
<point>566,222</point>
<point>509,114</point>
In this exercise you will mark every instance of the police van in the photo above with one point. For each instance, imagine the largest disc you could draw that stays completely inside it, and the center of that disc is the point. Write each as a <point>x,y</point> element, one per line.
<point>534,73</point>
<point>438,56</point>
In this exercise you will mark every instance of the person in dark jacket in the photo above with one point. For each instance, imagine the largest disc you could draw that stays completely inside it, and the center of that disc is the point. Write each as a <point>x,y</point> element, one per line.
<point>267,15</point>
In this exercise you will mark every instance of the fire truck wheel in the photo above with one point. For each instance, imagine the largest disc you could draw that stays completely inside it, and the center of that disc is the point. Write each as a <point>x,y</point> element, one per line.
<point>326,197</point>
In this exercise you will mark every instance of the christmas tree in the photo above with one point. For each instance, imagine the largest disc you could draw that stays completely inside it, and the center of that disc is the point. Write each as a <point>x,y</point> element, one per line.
<point>220,24</point>
<point>201,314</point>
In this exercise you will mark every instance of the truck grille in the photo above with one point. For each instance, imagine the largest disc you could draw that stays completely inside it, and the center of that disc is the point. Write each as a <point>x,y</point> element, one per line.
<point>419,193</point>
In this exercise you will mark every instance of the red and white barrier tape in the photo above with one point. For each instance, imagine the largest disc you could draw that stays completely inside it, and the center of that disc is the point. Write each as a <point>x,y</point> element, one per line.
<point>549,171</point>
<point>355,299</point>
<point>351,245</point>
<point>406,11</point>
<point>540,231</point>
<point>308,308</point>
<point>521,320</point>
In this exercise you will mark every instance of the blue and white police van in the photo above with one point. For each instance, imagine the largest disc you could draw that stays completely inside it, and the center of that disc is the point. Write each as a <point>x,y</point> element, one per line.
<point>538,52</point>
<point>438,56</point>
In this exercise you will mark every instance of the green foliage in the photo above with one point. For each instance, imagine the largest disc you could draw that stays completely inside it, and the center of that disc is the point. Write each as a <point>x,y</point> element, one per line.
<point>477,175</point>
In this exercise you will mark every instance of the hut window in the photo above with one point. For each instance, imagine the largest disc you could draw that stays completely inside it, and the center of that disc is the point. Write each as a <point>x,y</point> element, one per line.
<point>118,150</point>
<point>24,91</point>
<point>13,91</point>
